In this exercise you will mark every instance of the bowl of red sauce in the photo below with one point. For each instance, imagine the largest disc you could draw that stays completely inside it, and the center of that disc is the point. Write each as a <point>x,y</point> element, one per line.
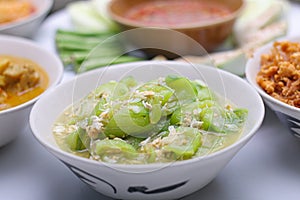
<point>174,25</point>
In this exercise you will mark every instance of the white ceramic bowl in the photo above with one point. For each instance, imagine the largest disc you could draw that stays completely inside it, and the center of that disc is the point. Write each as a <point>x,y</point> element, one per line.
<point>152,181</point>
<point>288,115</point>
<point>28,26</point>
<point>14,120</point>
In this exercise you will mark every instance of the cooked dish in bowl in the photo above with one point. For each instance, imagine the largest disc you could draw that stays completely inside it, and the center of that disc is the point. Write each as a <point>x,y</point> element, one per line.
<point>274,72</point>
<point>176,13</point>
<point>279,75</point>
<point>22,17</point>
<point>162,22</point>
<point>14,10</point>
<point>167,119</point>
<point>169,180</point>
<point>21,80</point>
<point>27,71</point>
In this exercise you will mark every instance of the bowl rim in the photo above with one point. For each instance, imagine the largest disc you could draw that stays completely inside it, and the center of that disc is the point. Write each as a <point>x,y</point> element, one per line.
<point>250,69</point>
<point>240,141</point>
<point>29,19</point>
<point>195,25</point>
<point>30,44</point>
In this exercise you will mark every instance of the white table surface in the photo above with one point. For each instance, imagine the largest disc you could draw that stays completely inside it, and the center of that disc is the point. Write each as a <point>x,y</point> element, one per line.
<point>267,168</point>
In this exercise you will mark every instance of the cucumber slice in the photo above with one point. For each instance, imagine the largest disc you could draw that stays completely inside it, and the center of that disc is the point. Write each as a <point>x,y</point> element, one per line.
<point>85,17</point>
<point>258,15</point>
<point>233,61</point>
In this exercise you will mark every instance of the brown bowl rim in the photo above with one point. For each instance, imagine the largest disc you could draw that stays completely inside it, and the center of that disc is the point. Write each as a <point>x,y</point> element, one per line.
<point>195,25</point>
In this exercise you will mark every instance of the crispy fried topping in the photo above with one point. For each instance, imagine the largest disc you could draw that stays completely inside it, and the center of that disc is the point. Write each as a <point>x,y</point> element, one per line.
<point>279,75</point>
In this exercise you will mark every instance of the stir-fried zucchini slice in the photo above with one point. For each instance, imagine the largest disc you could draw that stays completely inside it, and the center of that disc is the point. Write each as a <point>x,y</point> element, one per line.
<point>113,147</point>
<point>183,143</point>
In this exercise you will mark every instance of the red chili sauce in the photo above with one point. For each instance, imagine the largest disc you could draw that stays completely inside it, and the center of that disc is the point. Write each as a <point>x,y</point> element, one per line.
<point>176,12</point>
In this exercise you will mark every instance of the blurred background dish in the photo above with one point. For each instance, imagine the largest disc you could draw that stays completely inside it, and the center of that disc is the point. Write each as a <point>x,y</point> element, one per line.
<point>274,72</point>
<point>208,23</point>
<point>258,23</point>
<point>23,18</point>
<point>26,72</point>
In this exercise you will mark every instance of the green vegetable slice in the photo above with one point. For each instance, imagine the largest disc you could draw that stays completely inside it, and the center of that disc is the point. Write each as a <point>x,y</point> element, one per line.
<point>185,91</point>
<point>179,114</point>
<point>94,63</point>
<point>203,92</point>
<point>129,81</point>
<point>183,144</point>
<point>155,114</point>
<point>149,154</point>
<point>212,118</point>
<point>75,140</point>
<point>133,120</point>
<point>241,113</point>
<point>191,111</point>
<point>112,90</point>
<point>222,120</point>
<point>162,93</point>
<point>115,147</point>
<point>85,16</point>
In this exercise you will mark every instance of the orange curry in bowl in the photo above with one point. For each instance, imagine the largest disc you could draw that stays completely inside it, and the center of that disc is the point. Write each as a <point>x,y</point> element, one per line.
<point>14,10</point>
<point>20,81</point>
<point>176,12</point>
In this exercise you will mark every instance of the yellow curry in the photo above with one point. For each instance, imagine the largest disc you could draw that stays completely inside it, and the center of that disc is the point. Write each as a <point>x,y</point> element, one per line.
<point>13,10</point>
<point>20,81</point>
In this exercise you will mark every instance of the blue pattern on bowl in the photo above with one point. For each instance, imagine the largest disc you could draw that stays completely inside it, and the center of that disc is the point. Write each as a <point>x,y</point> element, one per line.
<point>93,181</point>
<point>292,123</point>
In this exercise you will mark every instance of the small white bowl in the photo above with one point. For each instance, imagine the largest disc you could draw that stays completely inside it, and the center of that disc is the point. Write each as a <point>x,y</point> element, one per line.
<point>28,26</point>
<point>287,114</point>
<point>151,181</point>
<point>14,120</point>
